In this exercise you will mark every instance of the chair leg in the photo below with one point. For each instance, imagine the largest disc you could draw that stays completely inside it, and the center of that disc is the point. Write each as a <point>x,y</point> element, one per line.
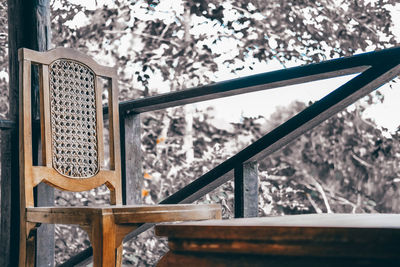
<point>103,239</point>
<point>27,245</point>
<point>30,251</point>
<point>122,231</point>
<point>118,262</point>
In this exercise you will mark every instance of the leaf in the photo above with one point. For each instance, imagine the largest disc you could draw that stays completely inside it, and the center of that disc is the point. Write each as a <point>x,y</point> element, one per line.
<point>145,192</point>
<point>147,176</point>
<point>160,140</point>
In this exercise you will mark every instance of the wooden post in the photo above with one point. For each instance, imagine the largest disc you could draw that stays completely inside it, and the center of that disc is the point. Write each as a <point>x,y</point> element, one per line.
<point>41,41</point>
<point>44,193</point>
<point>131,158</point>
<point>28,26</point>
<point>246,190</point>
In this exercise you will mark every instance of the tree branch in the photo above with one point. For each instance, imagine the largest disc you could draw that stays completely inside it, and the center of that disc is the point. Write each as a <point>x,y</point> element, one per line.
<point>315,206</point>
<point>347,202</point>
<point>322,192</point>
<point>361,161</point>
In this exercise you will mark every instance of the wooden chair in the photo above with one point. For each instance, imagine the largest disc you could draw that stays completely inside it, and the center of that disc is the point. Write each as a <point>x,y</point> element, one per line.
<point>73,155</point>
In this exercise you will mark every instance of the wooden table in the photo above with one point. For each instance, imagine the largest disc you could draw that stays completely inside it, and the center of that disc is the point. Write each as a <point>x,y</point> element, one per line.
<point>298,240</point>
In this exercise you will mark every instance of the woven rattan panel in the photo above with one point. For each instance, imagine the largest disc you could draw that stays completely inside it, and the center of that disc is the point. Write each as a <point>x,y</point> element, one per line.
<point>73,119</point>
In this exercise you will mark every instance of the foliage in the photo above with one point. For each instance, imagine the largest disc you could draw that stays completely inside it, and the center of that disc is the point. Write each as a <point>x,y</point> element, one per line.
<point>148,39</point>
<point>345,165</point>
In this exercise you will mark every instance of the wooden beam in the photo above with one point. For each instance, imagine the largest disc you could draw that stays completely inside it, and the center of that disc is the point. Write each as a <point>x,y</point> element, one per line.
<point>131,155</point>
<point>246,190</point>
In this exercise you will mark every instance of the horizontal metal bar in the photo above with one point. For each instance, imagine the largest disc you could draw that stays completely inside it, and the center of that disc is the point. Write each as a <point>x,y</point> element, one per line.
<point>253,83</point>
<point>263,81</point>
<point>7,124</point>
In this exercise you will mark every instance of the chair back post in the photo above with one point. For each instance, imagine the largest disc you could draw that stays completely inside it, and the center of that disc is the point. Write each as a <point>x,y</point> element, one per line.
<point>25,135</point>
<point>114,132</point>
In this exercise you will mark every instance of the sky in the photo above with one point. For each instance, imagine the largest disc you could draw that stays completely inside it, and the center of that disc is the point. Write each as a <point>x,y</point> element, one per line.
<point>264,103</point>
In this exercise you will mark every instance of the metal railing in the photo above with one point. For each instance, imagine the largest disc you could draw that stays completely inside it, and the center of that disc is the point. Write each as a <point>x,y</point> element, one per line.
<point>374,68</point>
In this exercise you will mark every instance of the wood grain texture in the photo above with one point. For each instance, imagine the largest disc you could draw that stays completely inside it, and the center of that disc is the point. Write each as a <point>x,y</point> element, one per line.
<point>325,220</point>
<point>44,193</point>
<point>61,52</point>
<point>99,125</point>
<point>50,176</point>
<point>245,260</point>
<point>123,214</point>
<point>132,159</point>
<point>45,128</point>
<point>246,190</point>
<point>26,238</point>
<point>115,150</point>
<point>103,238</point>
<point>343,237</point>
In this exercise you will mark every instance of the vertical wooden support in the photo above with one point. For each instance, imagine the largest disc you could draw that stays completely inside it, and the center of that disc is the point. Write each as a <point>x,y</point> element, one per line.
<point>41,41</point>
<point>246,190</point>
<point>131,158</point>
<point>28,26</point>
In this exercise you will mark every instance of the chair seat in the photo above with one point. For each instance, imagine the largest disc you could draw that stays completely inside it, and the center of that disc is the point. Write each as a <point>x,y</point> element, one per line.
<point>124,214</point>
<point>313,236</point>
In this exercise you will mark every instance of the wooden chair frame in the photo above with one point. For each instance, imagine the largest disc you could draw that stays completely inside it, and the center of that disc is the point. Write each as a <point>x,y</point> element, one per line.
<point>106,225</point>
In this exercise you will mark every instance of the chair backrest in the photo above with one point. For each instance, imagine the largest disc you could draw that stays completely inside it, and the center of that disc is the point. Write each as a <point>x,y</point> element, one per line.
<point>71,121</point>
